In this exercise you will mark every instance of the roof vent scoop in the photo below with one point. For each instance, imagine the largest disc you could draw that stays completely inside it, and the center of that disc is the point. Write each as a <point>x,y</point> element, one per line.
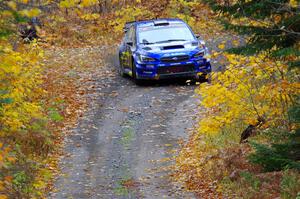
<point>172,47</point>
<point>161,23</point>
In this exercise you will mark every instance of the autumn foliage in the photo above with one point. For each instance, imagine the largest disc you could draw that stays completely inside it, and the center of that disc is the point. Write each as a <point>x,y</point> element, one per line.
<point>37,99</point>
<point>264,88</point>
<point>248,123</point>
<point>30,112</point>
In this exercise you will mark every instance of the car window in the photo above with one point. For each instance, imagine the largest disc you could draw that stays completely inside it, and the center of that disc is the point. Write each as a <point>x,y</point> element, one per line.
<point>126,36</point>
<point>130,36</point>
<point>155,34</point>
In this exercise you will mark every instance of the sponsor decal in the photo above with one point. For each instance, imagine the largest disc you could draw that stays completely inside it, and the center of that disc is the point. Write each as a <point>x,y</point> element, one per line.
<point>173,54</point>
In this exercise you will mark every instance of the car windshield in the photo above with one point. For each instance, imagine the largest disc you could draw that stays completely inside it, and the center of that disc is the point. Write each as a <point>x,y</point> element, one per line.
<point>161,34</point>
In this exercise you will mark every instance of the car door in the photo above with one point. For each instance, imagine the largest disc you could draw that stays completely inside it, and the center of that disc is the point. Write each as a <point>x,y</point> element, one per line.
<point>122,51</point>
<point>129,48</point>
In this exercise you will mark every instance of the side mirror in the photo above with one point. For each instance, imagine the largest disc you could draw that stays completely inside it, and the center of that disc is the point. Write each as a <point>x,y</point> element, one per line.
<point>198,36</point>
<point>129,43</point>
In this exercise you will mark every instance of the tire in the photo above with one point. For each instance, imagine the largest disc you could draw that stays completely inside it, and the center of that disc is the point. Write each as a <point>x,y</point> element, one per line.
<point>121,69</point>
<point>203,78</point>
<point>133,70</point>
<point>121,72</point>
<point>137,81</point>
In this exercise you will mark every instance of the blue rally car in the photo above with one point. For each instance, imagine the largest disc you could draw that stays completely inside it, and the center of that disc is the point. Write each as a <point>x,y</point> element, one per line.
<point>162,48</point>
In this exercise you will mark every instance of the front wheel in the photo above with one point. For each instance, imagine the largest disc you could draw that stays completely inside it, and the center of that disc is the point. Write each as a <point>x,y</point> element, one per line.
<point>137,81</point>
<point>204,78</point>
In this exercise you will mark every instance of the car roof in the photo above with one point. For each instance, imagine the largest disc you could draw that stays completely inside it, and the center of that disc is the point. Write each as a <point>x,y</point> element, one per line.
<point>153,22</point>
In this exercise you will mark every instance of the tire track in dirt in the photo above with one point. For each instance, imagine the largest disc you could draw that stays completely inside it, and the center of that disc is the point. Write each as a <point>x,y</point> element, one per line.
<point>117,148</point>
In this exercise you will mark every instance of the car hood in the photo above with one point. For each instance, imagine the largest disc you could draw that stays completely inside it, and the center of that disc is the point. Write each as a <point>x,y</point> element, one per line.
<point>163,49</point>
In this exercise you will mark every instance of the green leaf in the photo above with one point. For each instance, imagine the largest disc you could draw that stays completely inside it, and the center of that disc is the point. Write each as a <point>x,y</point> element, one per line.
<point>283,52</point>
<point>294,64</point>
<point>5,33</point>
<point>19,18</point>
<point>6,101</point>
<point>294,113</point>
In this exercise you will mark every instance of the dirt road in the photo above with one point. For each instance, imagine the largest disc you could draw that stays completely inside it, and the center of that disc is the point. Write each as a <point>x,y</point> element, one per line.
<point>122,145</point>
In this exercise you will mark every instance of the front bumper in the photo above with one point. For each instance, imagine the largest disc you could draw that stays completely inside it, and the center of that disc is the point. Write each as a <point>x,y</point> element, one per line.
<point>172,70</point>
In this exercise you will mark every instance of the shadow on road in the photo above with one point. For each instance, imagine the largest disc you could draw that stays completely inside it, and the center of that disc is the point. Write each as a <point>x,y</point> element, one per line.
<point>163,83</point>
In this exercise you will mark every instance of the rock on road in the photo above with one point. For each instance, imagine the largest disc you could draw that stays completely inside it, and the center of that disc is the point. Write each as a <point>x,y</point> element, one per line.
<point>121,146</point>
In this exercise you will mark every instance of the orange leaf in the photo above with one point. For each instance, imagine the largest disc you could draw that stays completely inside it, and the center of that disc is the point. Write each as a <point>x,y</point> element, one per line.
<point>2,196</point>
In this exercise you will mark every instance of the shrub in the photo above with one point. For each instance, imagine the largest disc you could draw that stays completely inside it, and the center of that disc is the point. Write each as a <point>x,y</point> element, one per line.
<point>290,185</point>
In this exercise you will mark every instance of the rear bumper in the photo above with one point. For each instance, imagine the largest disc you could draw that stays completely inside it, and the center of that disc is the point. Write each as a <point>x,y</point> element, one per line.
<point>154,72</point>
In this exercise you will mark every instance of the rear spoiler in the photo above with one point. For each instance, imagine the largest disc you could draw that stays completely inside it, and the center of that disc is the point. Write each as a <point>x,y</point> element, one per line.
<point>156,22</point>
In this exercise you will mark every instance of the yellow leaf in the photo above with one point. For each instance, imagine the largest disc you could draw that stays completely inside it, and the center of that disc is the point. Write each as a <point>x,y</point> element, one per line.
<point>235,42</point>
<point>67,4</point>
<point>2,196</point>
<point>34,12</point>
<point>86,3</point>
<point>1,186</point>
<point>12,5</point>
<point>31,13</point>
<point>293,3</point>
<point>221,46</point>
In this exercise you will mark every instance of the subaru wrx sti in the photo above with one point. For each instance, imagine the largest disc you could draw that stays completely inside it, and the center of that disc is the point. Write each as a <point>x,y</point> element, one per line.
<point>162,48</point>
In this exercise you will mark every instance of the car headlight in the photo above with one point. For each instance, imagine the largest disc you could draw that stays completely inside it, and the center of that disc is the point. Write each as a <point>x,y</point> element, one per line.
<point>144,58</point>
<point>199,54</point>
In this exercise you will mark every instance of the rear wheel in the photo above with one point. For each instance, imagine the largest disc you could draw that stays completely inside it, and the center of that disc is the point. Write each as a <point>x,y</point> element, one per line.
<point>121,69</point>
<point>121,72</point>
